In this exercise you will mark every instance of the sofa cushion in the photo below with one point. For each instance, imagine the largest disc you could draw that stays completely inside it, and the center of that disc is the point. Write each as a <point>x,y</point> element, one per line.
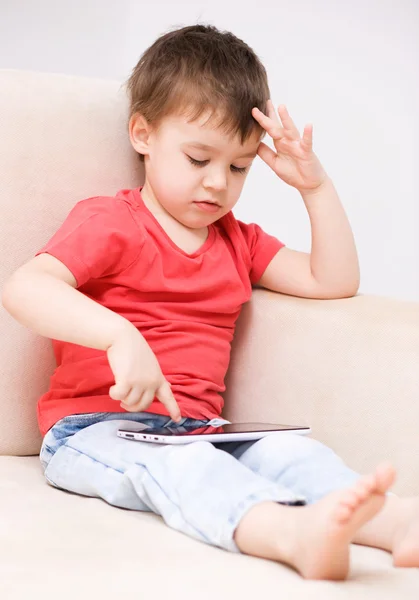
<point>58,544</point>
<point>63,139</point>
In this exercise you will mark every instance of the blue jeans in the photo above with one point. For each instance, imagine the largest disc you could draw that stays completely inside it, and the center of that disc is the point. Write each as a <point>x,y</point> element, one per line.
<point>201,489</point>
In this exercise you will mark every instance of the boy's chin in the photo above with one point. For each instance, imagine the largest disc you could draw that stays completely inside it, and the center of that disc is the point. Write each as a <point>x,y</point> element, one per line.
<point>197,220</point>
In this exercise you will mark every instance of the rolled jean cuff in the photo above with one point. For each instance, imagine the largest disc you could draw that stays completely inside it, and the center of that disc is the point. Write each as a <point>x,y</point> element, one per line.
<point>269,495</point>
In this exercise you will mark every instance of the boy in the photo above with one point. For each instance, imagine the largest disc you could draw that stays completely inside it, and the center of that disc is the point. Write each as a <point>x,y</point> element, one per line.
<point>141,292</point>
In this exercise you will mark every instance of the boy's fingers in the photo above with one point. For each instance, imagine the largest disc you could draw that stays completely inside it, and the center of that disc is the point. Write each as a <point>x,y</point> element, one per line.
<point>145,400</point>
<point>272,127</point>
<point>134,397</point>
<point>165,395</point>
<point>119,391</point>
<point>272,112</point>
<point>288,123</point>
<point>267,154</point>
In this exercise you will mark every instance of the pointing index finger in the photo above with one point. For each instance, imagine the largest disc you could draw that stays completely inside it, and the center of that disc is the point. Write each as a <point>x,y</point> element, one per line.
<point>165,395</point>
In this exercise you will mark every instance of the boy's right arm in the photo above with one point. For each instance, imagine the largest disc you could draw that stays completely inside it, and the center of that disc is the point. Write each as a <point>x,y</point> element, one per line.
<point>42,296</point>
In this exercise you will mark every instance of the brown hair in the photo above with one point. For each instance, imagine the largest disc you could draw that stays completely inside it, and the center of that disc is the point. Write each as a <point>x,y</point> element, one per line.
<point>196,68</point>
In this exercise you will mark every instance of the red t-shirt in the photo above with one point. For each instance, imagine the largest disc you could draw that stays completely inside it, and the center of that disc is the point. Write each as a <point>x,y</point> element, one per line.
<point>185,305</point>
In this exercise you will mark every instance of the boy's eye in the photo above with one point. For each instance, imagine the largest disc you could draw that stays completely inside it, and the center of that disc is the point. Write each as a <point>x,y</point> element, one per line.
<point>202,163</point>
<point>197,163</point>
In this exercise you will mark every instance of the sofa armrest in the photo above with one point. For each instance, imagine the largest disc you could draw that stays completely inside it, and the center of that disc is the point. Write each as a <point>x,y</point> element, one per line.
<point>349,368</point>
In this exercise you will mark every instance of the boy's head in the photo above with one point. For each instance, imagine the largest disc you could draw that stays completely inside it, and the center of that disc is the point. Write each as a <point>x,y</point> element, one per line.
<point>196,85</point>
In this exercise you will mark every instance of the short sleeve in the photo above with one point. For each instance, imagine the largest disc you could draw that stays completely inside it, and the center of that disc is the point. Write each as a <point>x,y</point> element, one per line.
<point>99,237</point>
<point>262,248</point>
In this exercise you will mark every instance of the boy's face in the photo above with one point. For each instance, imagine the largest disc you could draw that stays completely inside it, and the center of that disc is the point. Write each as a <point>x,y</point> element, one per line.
<point>196,185</point>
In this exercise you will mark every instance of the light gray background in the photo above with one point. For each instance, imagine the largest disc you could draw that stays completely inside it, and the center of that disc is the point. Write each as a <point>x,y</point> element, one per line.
<point>351,69</point>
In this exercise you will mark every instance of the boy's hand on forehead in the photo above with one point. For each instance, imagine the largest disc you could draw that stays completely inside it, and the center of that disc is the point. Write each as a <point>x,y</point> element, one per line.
<point>294,160</point>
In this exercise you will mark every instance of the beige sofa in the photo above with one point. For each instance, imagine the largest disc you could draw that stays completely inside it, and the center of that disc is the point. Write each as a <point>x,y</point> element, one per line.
<point>349,368</point>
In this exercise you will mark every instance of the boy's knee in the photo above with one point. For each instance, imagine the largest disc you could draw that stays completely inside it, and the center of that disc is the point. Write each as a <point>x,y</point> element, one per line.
<point>202,449</point>
<point>291,443</point>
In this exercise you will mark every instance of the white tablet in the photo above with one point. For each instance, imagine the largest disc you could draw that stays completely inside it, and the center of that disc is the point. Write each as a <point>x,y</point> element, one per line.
<point>230,432</point>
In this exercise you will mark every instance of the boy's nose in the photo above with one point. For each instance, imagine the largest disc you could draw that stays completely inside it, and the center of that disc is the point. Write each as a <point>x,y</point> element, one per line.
<point>216,181</point>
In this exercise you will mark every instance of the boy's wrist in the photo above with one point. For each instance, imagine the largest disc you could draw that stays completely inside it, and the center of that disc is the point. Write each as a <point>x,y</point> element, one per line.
<point>123,329</point>
<point>324,188</point>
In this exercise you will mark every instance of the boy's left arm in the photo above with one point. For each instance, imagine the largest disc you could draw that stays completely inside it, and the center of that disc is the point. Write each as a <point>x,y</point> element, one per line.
<point>331,270</point>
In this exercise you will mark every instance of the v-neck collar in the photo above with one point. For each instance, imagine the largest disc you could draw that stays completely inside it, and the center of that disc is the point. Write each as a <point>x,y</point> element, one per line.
<point>205,246</point>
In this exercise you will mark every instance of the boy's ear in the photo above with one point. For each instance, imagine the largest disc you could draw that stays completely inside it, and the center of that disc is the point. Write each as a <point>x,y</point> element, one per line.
<point>139,132</point>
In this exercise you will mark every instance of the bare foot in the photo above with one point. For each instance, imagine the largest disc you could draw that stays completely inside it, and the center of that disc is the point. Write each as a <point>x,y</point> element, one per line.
<point>406,537</point>
<point>324,530</point>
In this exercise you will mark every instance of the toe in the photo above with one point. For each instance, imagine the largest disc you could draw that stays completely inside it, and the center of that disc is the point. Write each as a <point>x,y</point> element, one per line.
<point>343,513</point>
<point>364,489</point>
<point>350,499</point>
<point>385,475</point>
<point>368,482</point>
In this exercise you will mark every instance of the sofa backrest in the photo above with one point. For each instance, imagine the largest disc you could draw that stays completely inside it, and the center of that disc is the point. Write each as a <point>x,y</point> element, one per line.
<point>62,139</point>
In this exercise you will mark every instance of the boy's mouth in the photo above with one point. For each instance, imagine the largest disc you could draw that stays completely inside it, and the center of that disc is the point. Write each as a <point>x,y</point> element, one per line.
<point>207,206</point>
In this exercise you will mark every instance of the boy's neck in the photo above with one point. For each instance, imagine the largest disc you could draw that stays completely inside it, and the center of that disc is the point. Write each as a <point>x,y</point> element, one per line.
<point>151,201</point>
<point>187,238</point>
